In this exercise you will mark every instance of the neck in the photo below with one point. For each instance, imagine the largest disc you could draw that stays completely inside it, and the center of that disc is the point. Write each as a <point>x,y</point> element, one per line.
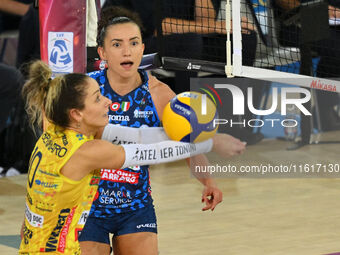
<point>87,132</point>
<point>123,85</point>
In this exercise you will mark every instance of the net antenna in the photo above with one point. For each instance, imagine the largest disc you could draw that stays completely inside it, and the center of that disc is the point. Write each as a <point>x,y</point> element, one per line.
<point>274,57</point>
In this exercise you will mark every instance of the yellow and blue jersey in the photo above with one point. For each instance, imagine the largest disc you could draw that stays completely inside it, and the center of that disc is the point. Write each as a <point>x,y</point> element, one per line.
<point>56,206</point>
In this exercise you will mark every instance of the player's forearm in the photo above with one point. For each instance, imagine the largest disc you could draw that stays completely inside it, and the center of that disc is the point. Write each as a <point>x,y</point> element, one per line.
<point>13,7</point>
<point>200,161</point>
<point>180,26</point>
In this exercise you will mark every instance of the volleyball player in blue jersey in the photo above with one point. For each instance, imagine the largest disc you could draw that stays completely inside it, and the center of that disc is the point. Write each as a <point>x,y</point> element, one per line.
<point>123,205</point>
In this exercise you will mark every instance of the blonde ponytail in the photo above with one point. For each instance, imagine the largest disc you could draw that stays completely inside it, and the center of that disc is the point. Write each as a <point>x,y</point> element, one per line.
<point>35,90</point>
<point>54,98</point>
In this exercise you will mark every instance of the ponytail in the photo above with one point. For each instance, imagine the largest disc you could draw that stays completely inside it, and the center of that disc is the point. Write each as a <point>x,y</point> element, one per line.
<point>53,97</point>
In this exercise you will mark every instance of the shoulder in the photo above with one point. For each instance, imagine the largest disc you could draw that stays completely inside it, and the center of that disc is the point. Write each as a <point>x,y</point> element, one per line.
<point>96,74</point>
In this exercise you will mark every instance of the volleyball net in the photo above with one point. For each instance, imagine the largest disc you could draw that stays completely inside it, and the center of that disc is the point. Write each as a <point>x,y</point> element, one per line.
<point>262,39</point>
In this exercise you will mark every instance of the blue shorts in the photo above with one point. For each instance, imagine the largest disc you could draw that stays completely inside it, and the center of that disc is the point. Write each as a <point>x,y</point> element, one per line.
<point>98,229</point>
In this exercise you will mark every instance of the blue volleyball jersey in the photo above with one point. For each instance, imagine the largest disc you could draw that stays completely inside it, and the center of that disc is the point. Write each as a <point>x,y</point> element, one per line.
<point>128,189</point>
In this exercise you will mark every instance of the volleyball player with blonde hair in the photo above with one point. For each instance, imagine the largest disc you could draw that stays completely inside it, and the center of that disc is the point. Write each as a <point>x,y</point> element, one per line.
<point>63,173</point>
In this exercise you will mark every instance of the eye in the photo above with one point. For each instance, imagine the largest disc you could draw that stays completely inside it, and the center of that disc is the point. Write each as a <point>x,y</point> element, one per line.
<point>116,44</point>
<point>134,43</point>
<point>97,98</point>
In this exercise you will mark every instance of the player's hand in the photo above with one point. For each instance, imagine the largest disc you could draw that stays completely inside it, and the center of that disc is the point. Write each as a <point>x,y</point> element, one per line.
<point>227,146</point>
<point>211,196</point>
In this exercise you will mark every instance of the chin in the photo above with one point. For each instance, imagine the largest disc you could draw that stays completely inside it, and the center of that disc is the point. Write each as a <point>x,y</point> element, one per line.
<point>105,123</point>
<point>127,74</point>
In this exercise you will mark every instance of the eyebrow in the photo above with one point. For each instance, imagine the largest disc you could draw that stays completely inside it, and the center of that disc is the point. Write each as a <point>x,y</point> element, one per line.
<point>95,92</point>
<point>120,40</point>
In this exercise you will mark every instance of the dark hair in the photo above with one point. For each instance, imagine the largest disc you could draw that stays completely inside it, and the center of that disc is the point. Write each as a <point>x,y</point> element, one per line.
<point>55,97</point>
<point>112,16</point>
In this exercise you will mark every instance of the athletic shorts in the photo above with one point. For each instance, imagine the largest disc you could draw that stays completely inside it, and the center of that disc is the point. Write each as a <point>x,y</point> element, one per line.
<point>98,229</point>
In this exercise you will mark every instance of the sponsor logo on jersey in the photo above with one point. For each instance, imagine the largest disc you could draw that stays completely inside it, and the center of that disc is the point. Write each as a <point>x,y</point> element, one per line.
<point>80,137</point>
<point>45,194</point>
<point>142,114</point>
<point>27,234</point>
<point>115,106</point>
<point>47,173</point>
<point>144,86</point>
<point>95,180</point>
<point>119,118</point>
<point>46,184</point>
<point>147,225</point>
<point>83,217</point>
<point>112,197</point>
<point>119,175</point>
<point>43,209</point>
<point>125,106</point>
<point>52,241</point>
<point>135,168</point>
<point>64,138</point>
<point>44,206</point>
<point>64,231</point>
<point>29,198</point>
<point>35,220</point>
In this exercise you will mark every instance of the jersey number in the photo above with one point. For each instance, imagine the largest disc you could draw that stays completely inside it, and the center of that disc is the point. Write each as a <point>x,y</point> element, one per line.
<point>34,161</point>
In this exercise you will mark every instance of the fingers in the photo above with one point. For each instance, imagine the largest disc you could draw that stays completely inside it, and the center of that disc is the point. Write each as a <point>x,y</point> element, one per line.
<point>210,204</point>
<point>207,207</point>
<point>207,203</point>
<point>215,199</point>
<point>239,147</point>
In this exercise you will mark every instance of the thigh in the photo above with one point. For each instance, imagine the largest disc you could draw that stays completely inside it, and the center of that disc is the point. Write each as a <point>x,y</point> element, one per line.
<point>94,248</point>
<point>142,243</point>
<point>94,238</point>
<point>137,234</point>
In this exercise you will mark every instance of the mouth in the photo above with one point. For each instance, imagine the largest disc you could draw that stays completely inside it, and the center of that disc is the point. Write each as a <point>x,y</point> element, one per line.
<point>127,64</point>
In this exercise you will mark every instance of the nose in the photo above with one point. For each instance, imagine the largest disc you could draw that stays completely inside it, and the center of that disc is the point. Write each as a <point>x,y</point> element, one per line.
<point>126,51</point>
<point>108,102</point>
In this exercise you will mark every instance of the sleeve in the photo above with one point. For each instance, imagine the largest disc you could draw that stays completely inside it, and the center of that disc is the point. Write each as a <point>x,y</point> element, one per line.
<point>117,134</point>
<point>163,152</point>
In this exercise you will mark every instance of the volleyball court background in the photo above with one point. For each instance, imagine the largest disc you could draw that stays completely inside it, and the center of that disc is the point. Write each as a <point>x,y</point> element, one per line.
<point>269,39</point>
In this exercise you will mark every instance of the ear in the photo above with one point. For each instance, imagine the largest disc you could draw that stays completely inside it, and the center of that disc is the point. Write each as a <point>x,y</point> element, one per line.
<point>75,115</point>
<point>143,47</point>
<point>101,53</point>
